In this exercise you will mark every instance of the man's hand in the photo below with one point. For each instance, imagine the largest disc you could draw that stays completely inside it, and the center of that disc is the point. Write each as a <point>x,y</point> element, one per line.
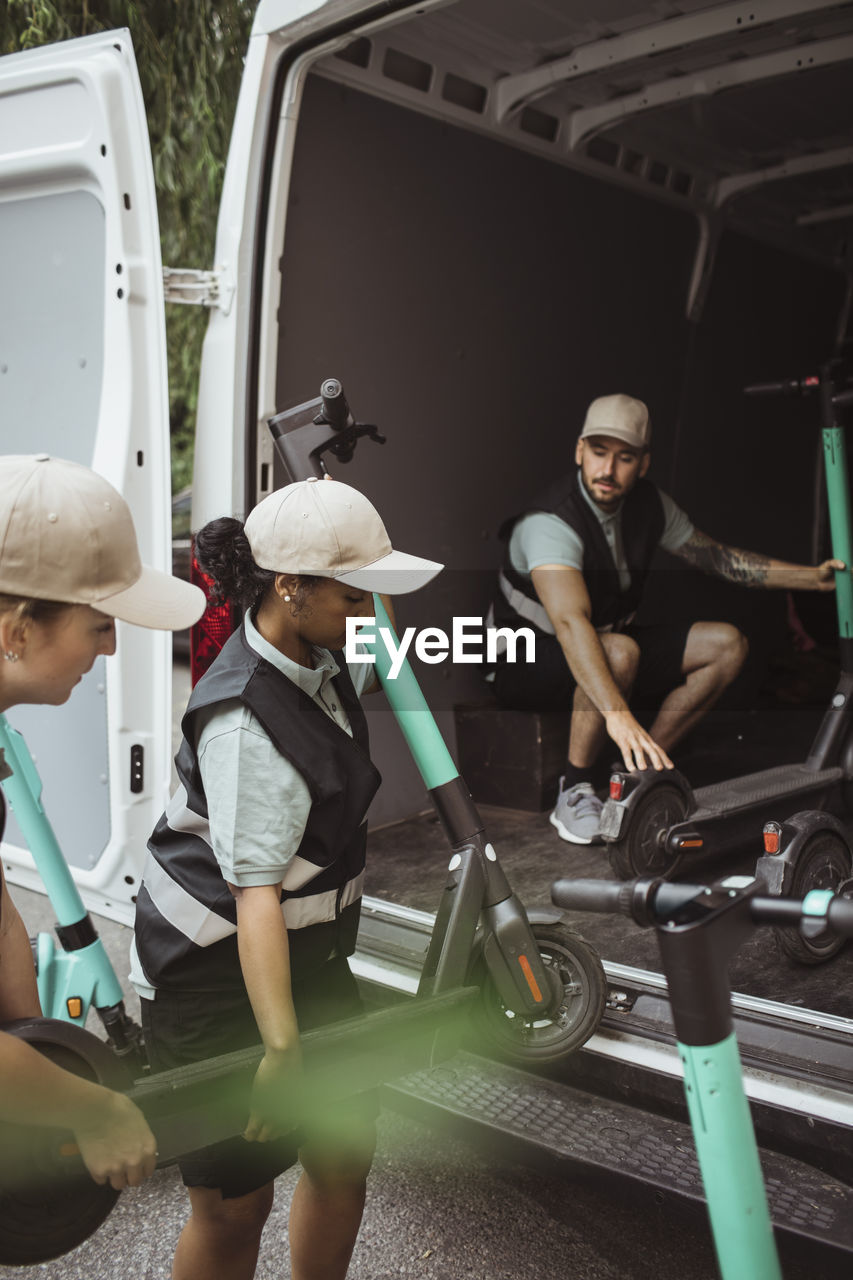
<point>115,1142</point>
<point>825,574</point>
<point>639,751</point>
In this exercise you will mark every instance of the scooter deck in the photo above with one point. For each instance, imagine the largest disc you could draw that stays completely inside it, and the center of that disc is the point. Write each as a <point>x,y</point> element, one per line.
<point>792,781</point>
<point>545,1122</point>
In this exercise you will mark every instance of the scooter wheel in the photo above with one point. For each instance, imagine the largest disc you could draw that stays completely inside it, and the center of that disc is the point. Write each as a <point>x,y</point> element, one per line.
<point>643,851</point>
<point>48,1202</point>
<point>580,990</point>
<point>824,863</point>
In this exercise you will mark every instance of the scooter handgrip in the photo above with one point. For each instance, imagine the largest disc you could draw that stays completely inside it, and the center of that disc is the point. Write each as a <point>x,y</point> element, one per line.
<point>840,916</point>
<point>590,895</point>
<point>335,407</point>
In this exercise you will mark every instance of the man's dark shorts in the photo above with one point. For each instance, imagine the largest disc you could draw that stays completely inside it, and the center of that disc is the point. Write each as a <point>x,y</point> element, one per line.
<point>188,1026</point>
<point>548,684</point>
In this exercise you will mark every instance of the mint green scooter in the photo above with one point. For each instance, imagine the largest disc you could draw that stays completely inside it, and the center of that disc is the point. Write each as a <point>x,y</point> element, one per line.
<point>699,929</point>
<point>78,977</point>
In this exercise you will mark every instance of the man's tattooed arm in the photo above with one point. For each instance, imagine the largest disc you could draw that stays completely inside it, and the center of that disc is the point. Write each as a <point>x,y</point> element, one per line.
<point>749,568</point>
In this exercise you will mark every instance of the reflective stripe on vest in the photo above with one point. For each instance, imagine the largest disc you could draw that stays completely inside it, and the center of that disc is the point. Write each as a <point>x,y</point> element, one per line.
<point>523,605</point>
<point>537,614</point>
<point>205,927</point>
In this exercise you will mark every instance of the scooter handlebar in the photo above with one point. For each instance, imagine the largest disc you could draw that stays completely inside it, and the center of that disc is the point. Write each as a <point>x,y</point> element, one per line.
<point>601,896</point>
<point>787,387</point>
<point>336,411</point>
<point>644,901</point>
<point>789,911</point>
<point>649,901</point>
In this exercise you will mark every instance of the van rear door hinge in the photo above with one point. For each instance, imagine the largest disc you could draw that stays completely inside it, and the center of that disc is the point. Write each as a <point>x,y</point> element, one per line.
<point>196,288</point>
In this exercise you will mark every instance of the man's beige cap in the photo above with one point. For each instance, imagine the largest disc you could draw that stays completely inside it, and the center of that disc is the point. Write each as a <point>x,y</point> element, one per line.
<point>621,417</point>
<point>330,530</point>
<point>66,534</point>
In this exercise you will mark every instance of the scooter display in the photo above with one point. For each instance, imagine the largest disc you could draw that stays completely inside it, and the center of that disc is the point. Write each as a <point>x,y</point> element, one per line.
<point>653,820</point>
<point>699,929</point>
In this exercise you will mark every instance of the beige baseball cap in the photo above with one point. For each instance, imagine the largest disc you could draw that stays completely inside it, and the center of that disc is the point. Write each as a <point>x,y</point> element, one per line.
<point>328,529</point>
<point>66,534</point>
<point>621,417</point>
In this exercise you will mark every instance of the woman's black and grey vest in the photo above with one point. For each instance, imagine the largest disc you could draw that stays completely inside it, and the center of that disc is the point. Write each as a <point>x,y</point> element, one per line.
<point>186,916</point>
<point>643,520</point>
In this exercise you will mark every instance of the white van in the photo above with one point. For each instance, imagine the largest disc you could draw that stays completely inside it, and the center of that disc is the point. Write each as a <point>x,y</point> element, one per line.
<point>478,215</point>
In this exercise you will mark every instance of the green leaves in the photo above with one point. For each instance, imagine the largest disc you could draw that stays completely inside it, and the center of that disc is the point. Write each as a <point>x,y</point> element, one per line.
<point>190,59</point>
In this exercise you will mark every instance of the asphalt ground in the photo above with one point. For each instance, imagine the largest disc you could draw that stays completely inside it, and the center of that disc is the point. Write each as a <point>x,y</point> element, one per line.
<point>437,1208</point>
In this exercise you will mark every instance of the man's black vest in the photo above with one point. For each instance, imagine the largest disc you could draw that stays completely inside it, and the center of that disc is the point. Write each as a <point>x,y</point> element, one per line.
<point>643,524</point>
<point>184,906</point>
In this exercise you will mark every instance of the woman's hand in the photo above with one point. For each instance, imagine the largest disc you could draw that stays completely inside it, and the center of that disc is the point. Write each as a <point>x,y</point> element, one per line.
<point>116,1144</point>
<point>265,962</point>
<point>276,1080</point>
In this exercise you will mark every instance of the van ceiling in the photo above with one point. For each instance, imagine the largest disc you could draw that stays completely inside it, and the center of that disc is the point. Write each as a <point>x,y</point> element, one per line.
<point>742,111</point>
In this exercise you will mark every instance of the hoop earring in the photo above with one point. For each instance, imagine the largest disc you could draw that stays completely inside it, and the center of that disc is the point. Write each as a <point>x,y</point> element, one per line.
<point>10,655</point>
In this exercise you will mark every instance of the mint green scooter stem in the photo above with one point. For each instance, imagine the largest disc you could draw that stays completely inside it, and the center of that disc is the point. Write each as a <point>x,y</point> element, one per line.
<point>835,461</point>
<point>477,886</point>
<point>84,972</point>
<point>414,717</point>
<point>728,1160</point>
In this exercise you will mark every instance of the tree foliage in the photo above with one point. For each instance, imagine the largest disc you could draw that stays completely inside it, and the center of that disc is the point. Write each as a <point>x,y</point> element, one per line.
<point>190,59</point>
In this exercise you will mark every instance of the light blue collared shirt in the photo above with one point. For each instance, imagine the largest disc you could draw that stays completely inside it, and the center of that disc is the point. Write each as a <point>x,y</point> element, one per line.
<point>258,801</point>
<point>541,538</point>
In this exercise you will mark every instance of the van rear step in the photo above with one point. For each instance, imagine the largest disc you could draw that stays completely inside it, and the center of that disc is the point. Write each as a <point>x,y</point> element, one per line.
<point>545,1123</point>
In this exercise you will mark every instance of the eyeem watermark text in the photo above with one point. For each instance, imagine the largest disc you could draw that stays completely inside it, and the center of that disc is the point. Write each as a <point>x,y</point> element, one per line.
<point>469,641</point>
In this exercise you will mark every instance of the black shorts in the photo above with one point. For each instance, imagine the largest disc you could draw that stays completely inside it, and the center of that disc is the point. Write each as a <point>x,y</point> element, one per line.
<point>548,684</point>
<point>189,1026</point>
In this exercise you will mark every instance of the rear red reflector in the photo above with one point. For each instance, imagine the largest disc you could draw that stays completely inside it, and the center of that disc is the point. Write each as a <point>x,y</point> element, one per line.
<point>617,786</point>
<point>772,837</point>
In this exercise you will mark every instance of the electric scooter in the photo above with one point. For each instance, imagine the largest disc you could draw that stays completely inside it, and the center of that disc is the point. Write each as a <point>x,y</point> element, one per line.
<point>543,986</point>
<point>699,929</point>
<point>48,1202</point>
<point>652,820</point>
<point>809,851</point>
<point>78,977</point>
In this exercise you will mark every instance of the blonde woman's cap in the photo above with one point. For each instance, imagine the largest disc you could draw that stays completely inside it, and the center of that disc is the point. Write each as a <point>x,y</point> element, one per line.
<point>330,530</point>
<point>66,534</point>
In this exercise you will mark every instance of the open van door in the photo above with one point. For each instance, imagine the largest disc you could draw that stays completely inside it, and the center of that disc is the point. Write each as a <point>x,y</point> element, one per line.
<point>83,376</point>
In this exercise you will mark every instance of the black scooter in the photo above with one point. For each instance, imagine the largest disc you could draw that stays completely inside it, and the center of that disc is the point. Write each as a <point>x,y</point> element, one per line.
<point>653,820</point>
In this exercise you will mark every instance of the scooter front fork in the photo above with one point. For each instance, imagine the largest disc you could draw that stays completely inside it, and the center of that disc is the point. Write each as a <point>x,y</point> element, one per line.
<point>477,892</point>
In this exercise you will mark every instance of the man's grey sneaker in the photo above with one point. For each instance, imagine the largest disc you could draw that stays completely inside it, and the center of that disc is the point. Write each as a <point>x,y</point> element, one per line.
<point>577,814</point>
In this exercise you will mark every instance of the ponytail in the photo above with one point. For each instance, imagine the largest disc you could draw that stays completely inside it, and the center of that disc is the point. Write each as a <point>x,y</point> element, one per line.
<point>224,555</point>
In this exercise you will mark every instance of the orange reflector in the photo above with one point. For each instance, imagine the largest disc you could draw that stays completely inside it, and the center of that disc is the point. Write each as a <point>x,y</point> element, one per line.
<point>695,842</point>
<point>772,837</point>
<point>617,786</point>
<point>69,1149</point>
<point>529,978</point>
<point>74,1005</point>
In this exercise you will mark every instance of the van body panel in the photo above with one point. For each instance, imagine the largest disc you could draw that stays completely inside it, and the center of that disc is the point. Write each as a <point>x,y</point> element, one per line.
<point>82,332</point>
